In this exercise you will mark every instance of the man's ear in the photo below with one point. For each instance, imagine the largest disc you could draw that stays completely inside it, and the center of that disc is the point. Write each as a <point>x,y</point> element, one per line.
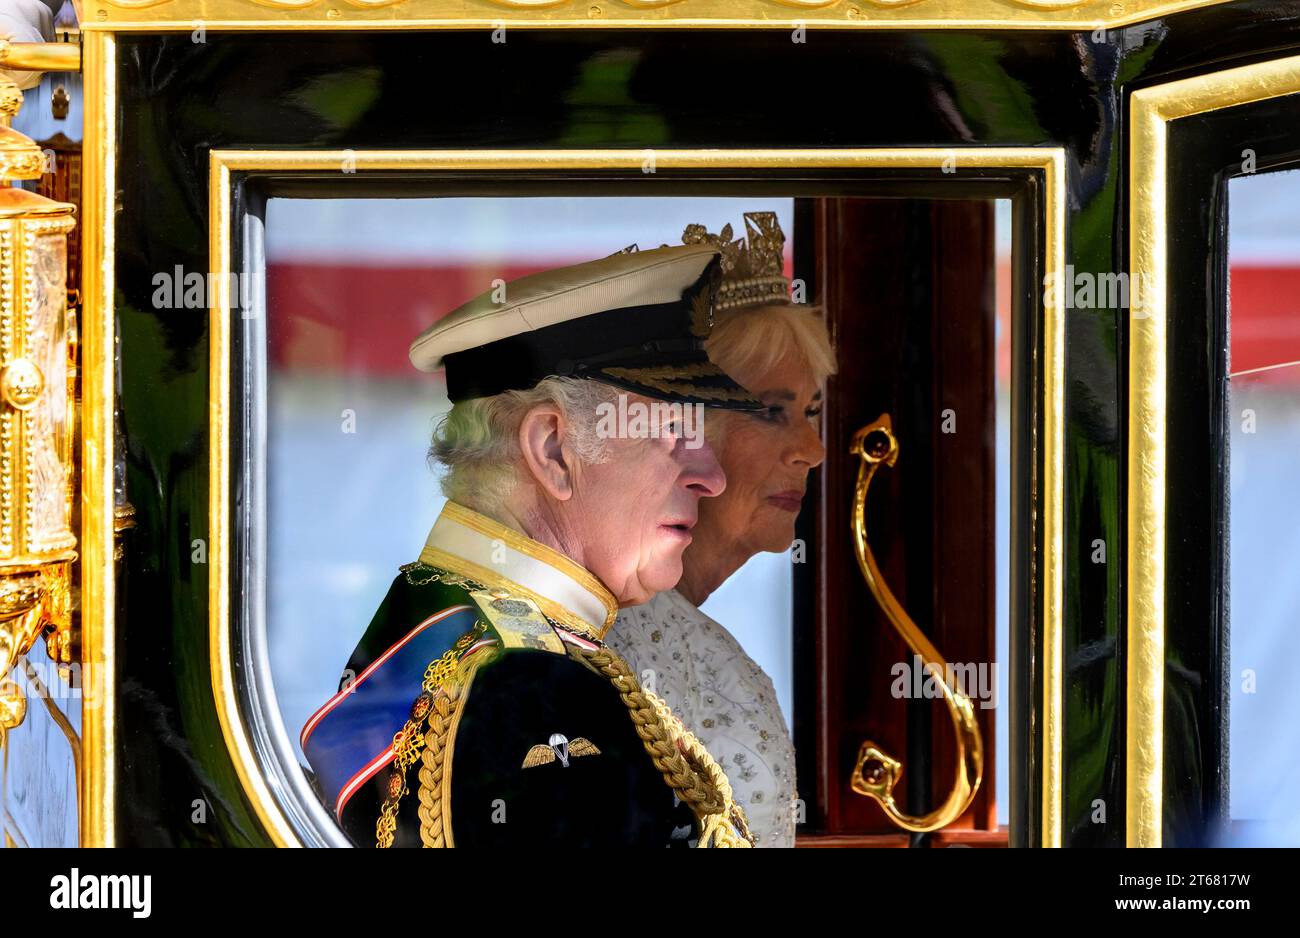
<point>542,440</point>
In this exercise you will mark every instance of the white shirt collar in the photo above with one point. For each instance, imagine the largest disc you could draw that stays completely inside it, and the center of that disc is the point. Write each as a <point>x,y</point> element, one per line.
<point>476,546</point>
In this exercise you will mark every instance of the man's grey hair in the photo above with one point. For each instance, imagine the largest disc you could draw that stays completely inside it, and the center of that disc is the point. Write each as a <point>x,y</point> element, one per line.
<point>478,440</point>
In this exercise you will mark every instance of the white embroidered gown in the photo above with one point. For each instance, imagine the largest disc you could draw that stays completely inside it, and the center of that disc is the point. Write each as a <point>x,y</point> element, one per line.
<point>723,697</point>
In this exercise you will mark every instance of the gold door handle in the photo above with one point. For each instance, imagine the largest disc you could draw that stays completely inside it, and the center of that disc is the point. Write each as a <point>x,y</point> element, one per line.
<point>876,772</point>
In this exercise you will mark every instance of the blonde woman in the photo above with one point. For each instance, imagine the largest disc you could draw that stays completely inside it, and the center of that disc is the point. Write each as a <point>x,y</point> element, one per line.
<point>780,352</point>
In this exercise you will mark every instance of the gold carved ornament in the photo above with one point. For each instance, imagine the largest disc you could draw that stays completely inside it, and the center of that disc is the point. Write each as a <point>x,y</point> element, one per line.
<point>37,545</point>
<point>876,772</point>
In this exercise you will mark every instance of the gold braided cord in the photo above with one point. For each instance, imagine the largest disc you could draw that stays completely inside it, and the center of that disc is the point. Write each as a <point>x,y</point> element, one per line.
<point>410,739</point>
<point>696,790</point>
<point>716,832</point>
<point>685,764</point>
<point>432,764</point>
<point>714,829</point>
<point>435,760</point>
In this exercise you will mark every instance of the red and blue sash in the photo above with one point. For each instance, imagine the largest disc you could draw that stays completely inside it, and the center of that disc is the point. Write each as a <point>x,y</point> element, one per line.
<point>350,739</point>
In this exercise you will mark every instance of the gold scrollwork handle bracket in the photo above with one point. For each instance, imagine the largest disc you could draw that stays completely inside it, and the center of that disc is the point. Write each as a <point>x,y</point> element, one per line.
<point>23,616</point>
<point>875,772</point>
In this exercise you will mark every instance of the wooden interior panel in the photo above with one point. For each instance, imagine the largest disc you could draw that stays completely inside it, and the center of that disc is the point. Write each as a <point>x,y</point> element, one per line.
<point>908,286</point>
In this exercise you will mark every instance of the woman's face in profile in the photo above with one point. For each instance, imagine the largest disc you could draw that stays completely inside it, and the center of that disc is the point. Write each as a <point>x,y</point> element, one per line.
<point>767,456</point>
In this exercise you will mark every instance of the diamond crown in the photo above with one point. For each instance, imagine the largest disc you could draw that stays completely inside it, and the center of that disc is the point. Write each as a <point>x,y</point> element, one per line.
<point>753,267</point>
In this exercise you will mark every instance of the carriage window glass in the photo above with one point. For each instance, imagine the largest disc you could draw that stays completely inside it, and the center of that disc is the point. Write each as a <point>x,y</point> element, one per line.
<point>1264,418</point>
<point>352,493</point>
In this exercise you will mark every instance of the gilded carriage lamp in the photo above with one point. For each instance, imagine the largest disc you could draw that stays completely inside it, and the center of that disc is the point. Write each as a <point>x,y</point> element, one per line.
<point>37,544</point>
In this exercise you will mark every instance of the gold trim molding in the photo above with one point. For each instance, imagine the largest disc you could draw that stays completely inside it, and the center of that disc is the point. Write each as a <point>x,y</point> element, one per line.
<point>224,163</point>
<point>187,15</point>
<point>98,604</point>
<point>1151,110</point>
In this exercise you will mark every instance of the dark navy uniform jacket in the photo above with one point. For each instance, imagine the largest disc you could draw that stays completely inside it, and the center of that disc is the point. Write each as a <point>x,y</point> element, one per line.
<point>524,692</point>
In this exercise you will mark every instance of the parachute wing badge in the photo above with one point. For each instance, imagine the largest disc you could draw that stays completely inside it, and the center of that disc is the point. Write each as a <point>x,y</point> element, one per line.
<point>560,748</point>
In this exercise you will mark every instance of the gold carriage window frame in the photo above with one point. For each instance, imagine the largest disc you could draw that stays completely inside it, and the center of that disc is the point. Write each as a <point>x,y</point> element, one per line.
<point>1076,15</point>
<point>226,165</point>
<point>1151,111</point>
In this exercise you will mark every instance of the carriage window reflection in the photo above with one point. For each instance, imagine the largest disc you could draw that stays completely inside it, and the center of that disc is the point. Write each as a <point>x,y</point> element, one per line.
<point>1264,417</point>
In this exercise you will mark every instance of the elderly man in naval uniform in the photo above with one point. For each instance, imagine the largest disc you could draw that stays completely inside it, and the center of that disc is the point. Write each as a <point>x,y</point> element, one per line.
<point>482,706</point>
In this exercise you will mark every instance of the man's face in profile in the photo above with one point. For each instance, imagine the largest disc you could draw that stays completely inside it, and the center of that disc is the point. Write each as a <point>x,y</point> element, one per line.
<point>639,505</point>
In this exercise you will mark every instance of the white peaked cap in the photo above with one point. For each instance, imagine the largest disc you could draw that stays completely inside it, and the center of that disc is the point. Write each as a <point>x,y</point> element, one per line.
<point>550,297</point>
